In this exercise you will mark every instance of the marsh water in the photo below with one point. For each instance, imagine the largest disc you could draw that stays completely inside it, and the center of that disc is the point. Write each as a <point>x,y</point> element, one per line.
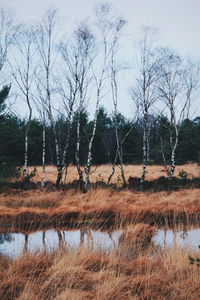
<point>14,244</point>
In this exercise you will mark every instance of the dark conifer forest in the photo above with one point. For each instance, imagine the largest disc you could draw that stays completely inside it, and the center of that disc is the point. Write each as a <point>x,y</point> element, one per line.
<point>12,130</point>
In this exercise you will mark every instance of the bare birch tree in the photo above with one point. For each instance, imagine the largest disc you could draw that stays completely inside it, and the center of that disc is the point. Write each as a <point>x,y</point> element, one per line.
<point>78,59</point>
<point>115,68</point>
<point>45,40</point>
<point>143,94</point>
<point>42,117</point>
<point>23,72</point>
<point>191,77</point>
<point>176,86</point>
<point>8,33</point>
<point>67,93</point>
<point>85,43</point>
<point>105,33</point>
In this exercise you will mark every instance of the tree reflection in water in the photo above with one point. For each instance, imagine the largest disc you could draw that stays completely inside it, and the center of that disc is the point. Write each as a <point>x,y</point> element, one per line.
<point>6,237</point>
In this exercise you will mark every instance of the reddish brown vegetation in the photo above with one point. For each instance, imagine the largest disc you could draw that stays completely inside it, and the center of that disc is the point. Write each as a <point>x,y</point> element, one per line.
<point>83,274</point>
<point>102,172</point>
<point>33,209</point>
<point>137,237</point>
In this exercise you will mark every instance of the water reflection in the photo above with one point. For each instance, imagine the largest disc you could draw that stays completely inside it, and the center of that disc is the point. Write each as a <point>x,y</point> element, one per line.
<point>15,244</point>
<point>184,238</point>
<point>49,240</point>
<point>5,237</point>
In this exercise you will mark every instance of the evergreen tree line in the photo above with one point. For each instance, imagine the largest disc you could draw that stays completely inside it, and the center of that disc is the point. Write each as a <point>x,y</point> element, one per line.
<point>12,131</point>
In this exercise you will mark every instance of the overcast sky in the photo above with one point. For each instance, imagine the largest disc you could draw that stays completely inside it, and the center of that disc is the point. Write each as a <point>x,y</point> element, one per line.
<point>178,21</point>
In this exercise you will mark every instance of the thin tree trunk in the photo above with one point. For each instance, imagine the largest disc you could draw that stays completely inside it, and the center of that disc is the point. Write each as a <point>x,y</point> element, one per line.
<point>121,166</point>
<point>119,151</point>
<point>43,239</point>
<point>173,162</point>
<point>43,156</point>
<point>59,165</point>
<point>148,144</point>
<point>66,148</point>
<point>25,173</point>
<point>25,242</point>
<point>89,159</point>
<point>145,137</point>
<point>113,167</point>
<point>77,155</point>
<point>173,144</point>
<point>60,238</point>
<point>163,156</point>
<point>58,159</point>
<point>58,151</point>
<point>144,159</point>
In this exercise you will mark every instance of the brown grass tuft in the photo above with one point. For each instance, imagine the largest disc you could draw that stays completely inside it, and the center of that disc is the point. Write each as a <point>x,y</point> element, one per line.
<point>137,237</point>
<point>83,274</point>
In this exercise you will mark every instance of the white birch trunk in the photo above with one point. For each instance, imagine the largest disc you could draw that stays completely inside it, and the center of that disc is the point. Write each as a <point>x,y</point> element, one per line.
<point>145,137</point>
<point>43,156</point>
<point>89,158</point>
<point>66,148</point>
<point>77,155</point>
<point>58,151</point>
<point>173,154</point>
<point>25,173</point>
<point>163,156</point>
<point>113,167</point>
<point>121,166</point>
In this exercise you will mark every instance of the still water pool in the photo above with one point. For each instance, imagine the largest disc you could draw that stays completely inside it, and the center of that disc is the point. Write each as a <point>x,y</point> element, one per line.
<point>14,244</point>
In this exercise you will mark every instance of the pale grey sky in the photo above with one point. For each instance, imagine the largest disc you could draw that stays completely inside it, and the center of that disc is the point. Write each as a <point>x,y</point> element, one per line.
<point>178,22</point>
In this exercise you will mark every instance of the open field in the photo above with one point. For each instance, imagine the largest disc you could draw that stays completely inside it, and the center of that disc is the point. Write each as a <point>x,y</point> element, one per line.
<point>136,269</point>
<point>103,171</point>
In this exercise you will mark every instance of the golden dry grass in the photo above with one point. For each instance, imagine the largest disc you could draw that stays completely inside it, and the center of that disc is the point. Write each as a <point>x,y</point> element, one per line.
<point>103,171</point>
<point>137,236</point>
<point>39,208</point>
<point>119,275</point>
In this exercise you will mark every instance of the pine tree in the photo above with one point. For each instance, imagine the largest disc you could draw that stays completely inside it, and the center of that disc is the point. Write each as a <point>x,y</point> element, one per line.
<point>7,165</point>
<point>3,96</point>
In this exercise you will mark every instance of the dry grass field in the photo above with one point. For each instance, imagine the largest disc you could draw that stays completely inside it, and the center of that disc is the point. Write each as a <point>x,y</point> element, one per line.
<point>137,269</point>
<point>35,208</point>
<point>103,171</point>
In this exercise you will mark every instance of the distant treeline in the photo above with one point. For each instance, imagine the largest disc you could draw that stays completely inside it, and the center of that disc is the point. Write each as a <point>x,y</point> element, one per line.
<point>12,131</point>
